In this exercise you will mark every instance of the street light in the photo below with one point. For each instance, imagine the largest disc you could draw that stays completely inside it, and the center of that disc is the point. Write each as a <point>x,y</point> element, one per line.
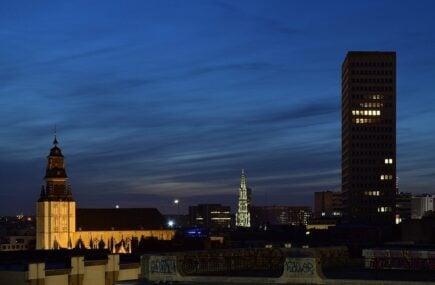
<point>177,202</point>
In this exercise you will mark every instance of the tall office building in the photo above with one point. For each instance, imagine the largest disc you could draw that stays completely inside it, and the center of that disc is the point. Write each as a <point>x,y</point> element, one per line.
<point>369,136</point>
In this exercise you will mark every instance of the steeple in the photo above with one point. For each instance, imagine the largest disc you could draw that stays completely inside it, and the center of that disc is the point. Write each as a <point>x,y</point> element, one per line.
<point>55,142</point>
<point>243,180</point>
<point>243,217</point>
<point>56,187</point>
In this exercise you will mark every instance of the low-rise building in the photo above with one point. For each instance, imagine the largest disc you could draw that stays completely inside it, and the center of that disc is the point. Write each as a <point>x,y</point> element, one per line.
<point>328,204</point>
<point>420,205</point>
<point>403,207</point>
<point>262,216</point>
<point>14,243</point>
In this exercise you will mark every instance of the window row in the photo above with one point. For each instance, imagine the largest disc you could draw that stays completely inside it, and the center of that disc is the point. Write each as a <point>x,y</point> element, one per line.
<point>372,193</point>
<point>373,72</point>
<point>357,176</point>
<point>384,209</point>
<point>386,177</point>
<point>388,161</point>
<point>373,63</point>
<point>373,129</point>
<point>372,88</point>
<point>365,121</point>
<point>372,80</point>
<point>366,112</point>
<point>365,137</point>
<point>371,105</point>
<point>364,185</point>
<point>373,171</point>
<point>368,161</point>
<point>372,145</point>
<point>368,153</point>
<point>17,246</point>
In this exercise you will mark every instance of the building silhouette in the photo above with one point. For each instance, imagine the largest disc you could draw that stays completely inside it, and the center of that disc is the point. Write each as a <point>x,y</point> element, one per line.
<point>369,136</point>
<point>210,216</point>
<point>327,204</point>
<point>265,216</point>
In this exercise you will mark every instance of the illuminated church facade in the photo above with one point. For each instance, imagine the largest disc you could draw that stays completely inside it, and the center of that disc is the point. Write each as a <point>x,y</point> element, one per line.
<point>59,224</point>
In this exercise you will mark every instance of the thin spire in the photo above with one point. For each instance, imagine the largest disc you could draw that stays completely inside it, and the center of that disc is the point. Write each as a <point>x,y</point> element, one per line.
<point>55,142</point>
<point>243,179</point>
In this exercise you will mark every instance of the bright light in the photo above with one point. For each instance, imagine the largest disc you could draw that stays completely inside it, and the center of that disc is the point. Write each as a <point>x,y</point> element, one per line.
<point>176,201</point>
<point>117,206</point>
<point>171,223</point>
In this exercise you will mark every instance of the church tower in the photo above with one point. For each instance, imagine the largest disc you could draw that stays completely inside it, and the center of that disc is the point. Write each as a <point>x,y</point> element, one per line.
<point>55,209</point>
<point>243,217</point>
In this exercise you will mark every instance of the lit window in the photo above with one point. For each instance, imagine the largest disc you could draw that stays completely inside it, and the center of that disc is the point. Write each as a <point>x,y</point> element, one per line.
<point>386,177</point>
<point>388,161</point>
<point>384,209</point>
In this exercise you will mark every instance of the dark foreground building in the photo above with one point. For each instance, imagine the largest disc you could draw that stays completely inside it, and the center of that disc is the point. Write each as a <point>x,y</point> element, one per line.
<point>369,136</point>
<point>210,216</point>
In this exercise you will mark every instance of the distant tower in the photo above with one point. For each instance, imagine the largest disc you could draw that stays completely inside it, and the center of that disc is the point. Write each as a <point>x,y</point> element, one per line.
<point>243,217</point>
<point>55,209</point>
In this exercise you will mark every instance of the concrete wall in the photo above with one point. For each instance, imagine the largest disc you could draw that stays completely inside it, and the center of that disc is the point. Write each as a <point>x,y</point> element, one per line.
<point>94,275</point>
<point>98,272</point>
<point>296,270</point>
<point>56,279</point>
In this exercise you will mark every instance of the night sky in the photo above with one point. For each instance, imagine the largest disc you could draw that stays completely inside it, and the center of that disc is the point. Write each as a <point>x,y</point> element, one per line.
<point>156,100</point>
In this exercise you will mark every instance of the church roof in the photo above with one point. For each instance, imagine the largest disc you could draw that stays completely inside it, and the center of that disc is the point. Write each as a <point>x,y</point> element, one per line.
<point>119,219</point>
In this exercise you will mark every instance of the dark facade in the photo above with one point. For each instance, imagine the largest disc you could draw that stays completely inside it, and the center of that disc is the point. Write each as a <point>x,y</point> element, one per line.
<point>262,216</point>
<point>403,207</point>
<point>327,204</point>
<point>369,136</point>
<point>210,216</point>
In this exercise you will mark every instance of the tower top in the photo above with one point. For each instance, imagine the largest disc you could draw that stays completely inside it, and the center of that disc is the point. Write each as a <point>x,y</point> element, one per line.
<point>56,188</point>
<point>242,179</point>
<point>55,142</point>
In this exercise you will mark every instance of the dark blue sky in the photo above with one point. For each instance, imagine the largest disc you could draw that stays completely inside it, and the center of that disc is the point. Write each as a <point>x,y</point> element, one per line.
<point>161,99</point>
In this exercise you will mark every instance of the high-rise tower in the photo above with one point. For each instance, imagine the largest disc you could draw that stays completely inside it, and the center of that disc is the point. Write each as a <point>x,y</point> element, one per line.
<point>243,217</point>
<point>369,136</point>
<point>55,209</point>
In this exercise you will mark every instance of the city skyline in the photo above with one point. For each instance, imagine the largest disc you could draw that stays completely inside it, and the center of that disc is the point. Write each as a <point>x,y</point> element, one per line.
<point>172,103</point>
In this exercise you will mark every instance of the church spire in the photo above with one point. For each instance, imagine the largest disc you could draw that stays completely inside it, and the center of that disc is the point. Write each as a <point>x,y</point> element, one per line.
<point>55,142</point>
<point>243,179</point>
<point>243,217</point>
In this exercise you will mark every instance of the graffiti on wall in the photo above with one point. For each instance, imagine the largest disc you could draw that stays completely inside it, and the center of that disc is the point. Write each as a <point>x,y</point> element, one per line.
<point>233,262</point>
<point>399,259</point>
<point>162,265</point>
<point>300,266</point>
